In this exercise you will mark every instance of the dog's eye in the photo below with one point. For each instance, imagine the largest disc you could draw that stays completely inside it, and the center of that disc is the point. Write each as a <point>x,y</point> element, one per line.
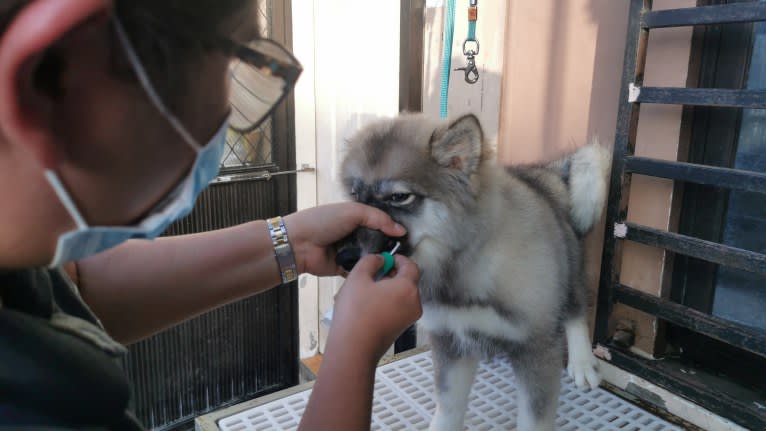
<point>401,198</point>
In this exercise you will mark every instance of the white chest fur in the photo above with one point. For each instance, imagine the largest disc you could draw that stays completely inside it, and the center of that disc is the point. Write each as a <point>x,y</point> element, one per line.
<point>462,321</point>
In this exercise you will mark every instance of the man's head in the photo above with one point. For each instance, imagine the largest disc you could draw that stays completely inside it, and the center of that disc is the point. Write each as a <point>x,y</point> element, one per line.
<point>71,103</point>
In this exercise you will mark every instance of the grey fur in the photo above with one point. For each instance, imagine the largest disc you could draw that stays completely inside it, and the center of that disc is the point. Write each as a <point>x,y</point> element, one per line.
<point>500,252</point>
<point>443,354</point>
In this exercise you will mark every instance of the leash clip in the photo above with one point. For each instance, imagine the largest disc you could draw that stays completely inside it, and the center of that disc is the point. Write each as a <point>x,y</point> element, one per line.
<point>470,51</point>
<point>471,71</point>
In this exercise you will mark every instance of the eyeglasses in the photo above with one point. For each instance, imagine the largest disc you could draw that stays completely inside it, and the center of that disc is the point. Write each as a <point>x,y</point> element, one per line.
<point>263,73</point>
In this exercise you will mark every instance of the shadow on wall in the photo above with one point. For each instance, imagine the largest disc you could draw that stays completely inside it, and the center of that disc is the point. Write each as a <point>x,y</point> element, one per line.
<point>561,76</point>
<point>612,20</point>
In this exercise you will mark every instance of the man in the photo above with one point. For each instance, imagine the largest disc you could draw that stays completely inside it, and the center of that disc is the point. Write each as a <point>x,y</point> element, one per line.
<point>112,116</point>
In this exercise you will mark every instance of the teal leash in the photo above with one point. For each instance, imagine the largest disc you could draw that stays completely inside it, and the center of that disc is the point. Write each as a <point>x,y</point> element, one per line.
<point>471,30</point>
<point>449,33</point>
<point>471,45</point>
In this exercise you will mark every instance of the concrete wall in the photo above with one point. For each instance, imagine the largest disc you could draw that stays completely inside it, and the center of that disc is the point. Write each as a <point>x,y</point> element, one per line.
<point>561,75</point>
<point>351,77</point>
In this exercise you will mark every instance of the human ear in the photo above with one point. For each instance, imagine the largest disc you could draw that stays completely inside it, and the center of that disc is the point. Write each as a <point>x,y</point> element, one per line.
<point>28,65</point>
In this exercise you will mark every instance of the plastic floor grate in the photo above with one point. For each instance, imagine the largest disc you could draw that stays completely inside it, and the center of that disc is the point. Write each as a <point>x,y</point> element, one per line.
<point>404,400</point>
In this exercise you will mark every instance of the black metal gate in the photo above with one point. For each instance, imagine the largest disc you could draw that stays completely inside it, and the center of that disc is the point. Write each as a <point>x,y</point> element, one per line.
<point>248,348</point>
<point>611,291</point>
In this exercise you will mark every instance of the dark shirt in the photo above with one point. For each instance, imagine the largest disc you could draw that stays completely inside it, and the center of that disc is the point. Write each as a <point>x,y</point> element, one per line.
<point>59,369</point>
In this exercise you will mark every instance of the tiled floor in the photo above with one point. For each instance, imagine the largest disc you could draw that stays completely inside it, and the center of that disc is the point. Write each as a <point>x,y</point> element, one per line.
<point>404,401</point>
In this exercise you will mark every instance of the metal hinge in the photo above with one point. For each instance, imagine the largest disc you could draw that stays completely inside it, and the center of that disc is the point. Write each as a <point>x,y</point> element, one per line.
<point>260,175</point>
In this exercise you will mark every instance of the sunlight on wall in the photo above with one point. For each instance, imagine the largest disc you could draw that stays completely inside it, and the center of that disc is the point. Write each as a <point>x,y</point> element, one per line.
<point>351,49</point>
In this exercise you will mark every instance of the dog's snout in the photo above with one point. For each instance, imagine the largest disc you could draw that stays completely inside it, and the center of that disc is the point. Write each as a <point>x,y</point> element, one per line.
<point>367,241</point>
<point>348,257</point>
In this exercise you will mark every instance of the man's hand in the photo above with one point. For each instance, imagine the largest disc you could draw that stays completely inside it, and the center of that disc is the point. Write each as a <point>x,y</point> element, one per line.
<point>370,315</point>
<point>312,233</point>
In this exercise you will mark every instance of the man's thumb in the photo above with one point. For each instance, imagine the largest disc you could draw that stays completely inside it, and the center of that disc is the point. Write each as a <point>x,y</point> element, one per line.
<point>369,265</point>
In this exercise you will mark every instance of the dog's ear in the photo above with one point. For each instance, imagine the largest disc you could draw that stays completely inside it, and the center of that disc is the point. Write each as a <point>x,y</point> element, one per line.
<point>459,146</point>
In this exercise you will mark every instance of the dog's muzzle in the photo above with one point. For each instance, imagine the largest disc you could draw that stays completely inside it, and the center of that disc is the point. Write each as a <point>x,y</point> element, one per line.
<point>365,241</point>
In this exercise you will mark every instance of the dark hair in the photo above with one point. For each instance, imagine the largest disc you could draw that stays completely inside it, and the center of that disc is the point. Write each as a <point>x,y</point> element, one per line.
<point>169,35</point>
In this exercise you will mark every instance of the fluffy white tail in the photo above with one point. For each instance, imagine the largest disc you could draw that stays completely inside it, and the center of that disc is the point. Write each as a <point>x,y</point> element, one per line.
<point>588,171</point>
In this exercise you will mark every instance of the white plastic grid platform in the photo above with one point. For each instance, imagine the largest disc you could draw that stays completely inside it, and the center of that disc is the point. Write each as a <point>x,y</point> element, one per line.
<point>404,400</point>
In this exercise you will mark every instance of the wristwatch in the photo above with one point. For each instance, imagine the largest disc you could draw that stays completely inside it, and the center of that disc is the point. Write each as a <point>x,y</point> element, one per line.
<point>282,249</point>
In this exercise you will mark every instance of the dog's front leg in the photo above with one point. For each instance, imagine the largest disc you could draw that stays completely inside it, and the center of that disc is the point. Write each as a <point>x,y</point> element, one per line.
<point>454,376</point>
<point>582,365</point>
<point>538,376</point>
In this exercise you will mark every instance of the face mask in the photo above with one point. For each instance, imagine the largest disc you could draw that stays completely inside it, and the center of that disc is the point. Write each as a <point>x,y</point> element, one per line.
<point>88,240</point>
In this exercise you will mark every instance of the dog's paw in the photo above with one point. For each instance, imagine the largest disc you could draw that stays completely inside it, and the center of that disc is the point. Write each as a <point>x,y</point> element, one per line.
<point>446,422</point>
<point>583,369</point>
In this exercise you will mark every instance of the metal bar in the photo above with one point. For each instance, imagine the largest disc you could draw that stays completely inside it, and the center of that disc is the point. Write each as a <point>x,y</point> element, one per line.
<point>729,332</point>
<point>259,175</point>
<point>704,15</point>
<point>694,247</point>
<point>752,99</point>
<point>624,141</point>
<point>188,370</point>
<point>743,413</point>
<point>699,174</point>
<point>407,341</point>
<point>412,28</point>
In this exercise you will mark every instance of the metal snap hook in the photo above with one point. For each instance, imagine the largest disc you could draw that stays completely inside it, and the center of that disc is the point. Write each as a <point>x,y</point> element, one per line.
<point>471,71</point>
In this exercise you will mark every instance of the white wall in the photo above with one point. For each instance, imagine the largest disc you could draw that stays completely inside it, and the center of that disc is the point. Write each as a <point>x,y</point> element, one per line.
<point>350,53</point>
<point>482,98</point>
<point>305,141</point>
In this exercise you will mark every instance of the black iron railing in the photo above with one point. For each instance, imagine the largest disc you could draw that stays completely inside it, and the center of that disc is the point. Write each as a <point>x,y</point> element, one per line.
<point>229,355</point>
<point>642,19</point>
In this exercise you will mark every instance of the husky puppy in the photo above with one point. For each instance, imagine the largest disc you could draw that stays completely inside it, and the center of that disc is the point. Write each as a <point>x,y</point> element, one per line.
<point>500,250</point>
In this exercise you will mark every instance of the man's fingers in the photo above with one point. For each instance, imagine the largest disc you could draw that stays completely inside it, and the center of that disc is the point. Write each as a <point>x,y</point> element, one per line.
<point>405,268</point>
<point>376,219</point>
<point>368,265</point>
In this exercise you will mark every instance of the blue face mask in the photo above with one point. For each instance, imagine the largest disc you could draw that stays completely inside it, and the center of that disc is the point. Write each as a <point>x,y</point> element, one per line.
<point>88,240</point>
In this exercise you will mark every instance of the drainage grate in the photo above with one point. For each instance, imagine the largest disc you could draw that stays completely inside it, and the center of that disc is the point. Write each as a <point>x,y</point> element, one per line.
<point>404,400</point>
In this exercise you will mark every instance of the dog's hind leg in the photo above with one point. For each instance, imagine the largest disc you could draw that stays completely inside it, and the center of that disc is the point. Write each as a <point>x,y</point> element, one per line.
<point>538,374</point>
<point>454,376</point>
<point>582,364</point>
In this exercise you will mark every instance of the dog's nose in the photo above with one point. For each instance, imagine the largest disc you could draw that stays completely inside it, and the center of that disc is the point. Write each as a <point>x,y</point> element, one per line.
<point>348,257</point>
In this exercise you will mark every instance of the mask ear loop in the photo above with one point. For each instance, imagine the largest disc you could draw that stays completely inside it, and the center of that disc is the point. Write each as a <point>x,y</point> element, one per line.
<point>143,78</point>
<point>66,199</point>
